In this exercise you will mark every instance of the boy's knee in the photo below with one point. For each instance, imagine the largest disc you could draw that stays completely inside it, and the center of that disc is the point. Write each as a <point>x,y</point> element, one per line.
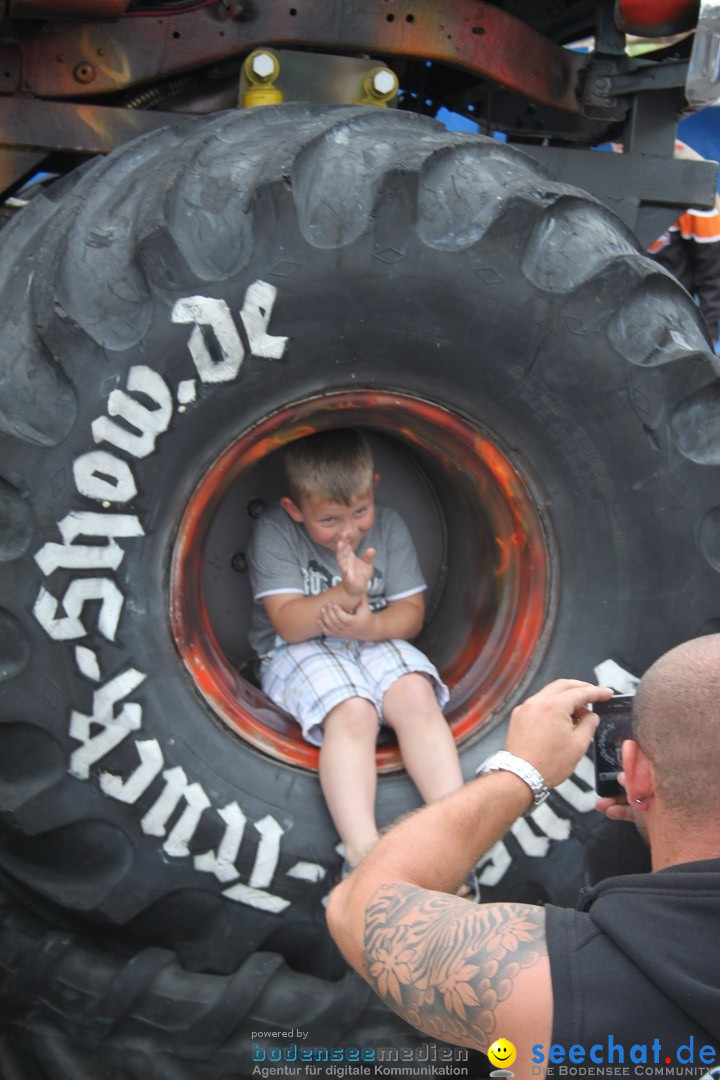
<point>355,715</point>
<point>415,688</point>
<point>411,700</point>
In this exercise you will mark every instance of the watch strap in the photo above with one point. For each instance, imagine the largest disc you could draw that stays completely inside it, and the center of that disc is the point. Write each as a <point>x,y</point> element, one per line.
<point>504,761</point>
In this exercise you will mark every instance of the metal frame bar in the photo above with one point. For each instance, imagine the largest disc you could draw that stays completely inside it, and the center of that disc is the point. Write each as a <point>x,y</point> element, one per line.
<point>95,57</point>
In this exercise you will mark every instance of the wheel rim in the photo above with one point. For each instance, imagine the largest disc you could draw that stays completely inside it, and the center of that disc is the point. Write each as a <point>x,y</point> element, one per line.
<point>491,639</point>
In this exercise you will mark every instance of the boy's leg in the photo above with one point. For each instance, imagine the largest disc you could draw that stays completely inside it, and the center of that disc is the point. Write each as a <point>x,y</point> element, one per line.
<point>348,776</point>
<point>427,747</point>
<point>320,683</point>
<point>426,744</point>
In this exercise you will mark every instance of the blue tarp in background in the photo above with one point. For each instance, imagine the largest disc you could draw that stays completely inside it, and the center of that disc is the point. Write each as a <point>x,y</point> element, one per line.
<point>702,132</point>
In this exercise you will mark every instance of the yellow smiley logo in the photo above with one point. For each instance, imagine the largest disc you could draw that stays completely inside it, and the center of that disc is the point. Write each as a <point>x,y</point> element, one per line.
<point>502,1053</point>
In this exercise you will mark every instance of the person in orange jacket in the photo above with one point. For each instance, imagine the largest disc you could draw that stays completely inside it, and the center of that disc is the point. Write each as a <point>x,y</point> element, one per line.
<point>690,250</point>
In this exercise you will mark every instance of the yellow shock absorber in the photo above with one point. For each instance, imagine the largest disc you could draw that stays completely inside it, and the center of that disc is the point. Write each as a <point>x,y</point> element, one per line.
<point>261,69</point>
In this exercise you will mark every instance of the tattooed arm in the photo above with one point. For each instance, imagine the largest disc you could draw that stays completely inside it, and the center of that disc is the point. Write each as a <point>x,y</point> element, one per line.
<point>460,972</point>
<point>457,971</point>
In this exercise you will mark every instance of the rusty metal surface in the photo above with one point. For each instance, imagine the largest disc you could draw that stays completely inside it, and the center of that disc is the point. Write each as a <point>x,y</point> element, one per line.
<point>10,58</point>
<point>69,9</point>
<point>472,36</point>
<point>16,166</point>
<point>84,129</point>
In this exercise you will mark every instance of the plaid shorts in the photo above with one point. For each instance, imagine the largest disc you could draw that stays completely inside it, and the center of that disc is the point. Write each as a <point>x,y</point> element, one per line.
<point>310,678</point>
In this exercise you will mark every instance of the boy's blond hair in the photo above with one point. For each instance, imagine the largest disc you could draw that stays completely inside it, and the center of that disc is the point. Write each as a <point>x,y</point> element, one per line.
<point>335,464</point>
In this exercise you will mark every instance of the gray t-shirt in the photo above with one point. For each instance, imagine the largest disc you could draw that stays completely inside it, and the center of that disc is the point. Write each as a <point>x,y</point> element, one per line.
<point>283,559</point>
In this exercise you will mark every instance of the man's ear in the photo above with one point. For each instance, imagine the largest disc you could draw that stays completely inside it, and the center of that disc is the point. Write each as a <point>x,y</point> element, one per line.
<point>639,772</point>
<point>376,479</point>
<point>290,508</point>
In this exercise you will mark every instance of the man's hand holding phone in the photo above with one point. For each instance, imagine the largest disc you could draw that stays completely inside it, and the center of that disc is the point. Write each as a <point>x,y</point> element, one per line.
<point>615,726</point>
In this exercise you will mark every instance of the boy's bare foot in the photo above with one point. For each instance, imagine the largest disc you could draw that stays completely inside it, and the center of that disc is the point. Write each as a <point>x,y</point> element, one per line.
<point>470,888</point>
<point>352,856</point>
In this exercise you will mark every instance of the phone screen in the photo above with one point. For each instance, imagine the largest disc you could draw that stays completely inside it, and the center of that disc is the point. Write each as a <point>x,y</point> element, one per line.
<point>615,726</point>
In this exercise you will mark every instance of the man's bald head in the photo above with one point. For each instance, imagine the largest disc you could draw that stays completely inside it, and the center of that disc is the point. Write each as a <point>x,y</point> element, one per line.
<point>677,724</point>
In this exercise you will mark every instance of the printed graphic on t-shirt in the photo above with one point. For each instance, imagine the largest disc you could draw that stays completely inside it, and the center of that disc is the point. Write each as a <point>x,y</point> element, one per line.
<point>317,579</point>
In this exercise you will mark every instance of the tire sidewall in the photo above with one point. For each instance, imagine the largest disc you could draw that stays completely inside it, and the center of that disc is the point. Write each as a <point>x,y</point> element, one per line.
<point>461,329</point>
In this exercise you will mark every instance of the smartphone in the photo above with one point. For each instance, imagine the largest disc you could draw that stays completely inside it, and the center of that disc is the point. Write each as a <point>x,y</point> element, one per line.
<point>615,726</point>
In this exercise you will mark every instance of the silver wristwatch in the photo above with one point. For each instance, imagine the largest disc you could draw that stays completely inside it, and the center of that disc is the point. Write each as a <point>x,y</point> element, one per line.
<point>503,760</point>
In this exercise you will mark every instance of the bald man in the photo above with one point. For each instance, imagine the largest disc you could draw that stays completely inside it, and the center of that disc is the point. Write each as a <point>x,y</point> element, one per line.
<point>627,985</point>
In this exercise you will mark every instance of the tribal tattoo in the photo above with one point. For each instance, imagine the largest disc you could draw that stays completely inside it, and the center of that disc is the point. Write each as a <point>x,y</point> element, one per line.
<point>444,964</point>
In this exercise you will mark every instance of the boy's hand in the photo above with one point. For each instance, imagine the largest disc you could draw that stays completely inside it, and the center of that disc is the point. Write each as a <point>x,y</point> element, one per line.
<point>337,622</point>
<point>356,570</point>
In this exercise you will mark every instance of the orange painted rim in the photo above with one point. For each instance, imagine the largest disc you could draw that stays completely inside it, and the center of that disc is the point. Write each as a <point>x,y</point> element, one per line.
<point>500,641</point>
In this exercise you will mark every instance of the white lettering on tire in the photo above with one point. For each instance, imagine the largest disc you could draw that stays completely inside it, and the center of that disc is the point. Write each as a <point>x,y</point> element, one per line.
<point>580,798</point>
<point>130,790</point>
<point>136,417</point>
<point>255,316</point>
<point>203,311</point>
<point>143,425</point>
<point>102,476</point>
<point>212,315</point>
<point>493,867</point>
<point>78,592</point>
<point>87,663</point>
<point>263,871</point>
<point>71,556</point>
<point>154,822</point>
<point>114,729</point>
<point>221,862</point>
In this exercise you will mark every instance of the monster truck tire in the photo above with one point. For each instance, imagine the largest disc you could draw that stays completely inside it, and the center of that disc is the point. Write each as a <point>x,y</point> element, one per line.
<point>74,1008</point>
<point>184,308</point>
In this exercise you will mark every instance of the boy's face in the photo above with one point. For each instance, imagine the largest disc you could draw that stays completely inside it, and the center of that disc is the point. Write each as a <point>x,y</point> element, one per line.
<point>327,522</point>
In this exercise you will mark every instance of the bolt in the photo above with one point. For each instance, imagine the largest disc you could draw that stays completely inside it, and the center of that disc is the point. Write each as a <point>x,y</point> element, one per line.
<point>263,65</point>
<point>255,508</point>
<point>384,82</point>
<point>84,72</point>
<point>239,562</point>
<point>230,9</point>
